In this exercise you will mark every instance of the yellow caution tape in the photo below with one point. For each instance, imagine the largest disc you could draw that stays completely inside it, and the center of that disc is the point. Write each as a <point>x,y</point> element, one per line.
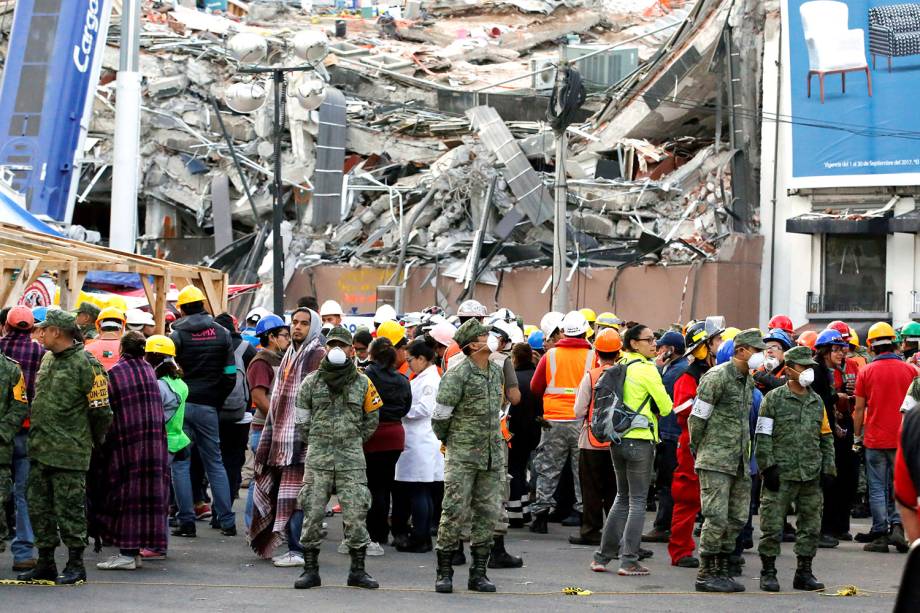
<point>845,590</point>
<point>576,591</point>
<point>18,582</point>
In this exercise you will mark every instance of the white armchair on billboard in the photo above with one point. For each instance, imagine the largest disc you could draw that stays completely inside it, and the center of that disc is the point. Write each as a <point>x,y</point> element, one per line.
<point>833,48</point>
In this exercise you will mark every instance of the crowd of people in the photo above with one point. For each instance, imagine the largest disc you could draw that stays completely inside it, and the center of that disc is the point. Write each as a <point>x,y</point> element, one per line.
<point>455,428</point>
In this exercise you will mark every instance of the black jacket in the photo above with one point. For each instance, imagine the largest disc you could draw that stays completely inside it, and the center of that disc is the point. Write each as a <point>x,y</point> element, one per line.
<point>205,353</point>
<point>522,418</point>
<point>394,391</point>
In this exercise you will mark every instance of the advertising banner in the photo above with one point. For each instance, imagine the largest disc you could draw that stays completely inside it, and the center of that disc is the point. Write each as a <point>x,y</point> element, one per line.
<point>853,75</point>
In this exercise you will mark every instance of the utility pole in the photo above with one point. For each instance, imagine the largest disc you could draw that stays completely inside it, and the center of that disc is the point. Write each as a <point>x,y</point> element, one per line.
<point>126,153</point>
<point>560,288</point>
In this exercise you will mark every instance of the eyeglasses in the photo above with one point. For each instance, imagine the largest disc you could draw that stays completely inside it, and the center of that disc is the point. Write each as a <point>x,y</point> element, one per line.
<point>650,339</point>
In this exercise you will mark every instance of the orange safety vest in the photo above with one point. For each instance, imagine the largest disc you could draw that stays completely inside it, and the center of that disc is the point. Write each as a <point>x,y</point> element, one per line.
<point>565,367</point>
<point>595,374</point>
<point>106,350</point>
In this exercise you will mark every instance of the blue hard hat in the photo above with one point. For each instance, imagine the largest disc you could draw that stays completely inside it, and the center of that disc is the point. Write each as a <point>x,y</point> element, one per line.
<point>780,336</point>
<point>830,337</point>
<point>269,323</point>
<point>726,352</point>
<point>535,340</point>
<point>39,313</point>
<point>671,339</point>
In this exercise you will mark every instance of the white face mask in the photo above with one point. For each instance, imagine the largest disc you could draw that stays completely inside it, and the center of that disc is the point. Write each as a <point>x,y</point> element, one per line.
<point>770,364</point>
<point>807,377</point>
<point>337,356</point>
<point>493,343</point>
<point>756,360</point>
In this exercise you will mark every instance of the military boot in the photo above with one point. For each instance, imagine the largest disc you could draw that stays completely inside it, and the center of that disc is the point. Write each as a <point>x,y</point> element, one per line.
<point>723,570</point>
<point>44,569</point>
<point>310,575</point>
<point>74,572</point>
<point>708,578</point>
<point>804,579</point>
<point>499,558</point>
<point>444,584</point>
<point>735,564</point>
<point>458,559</point>
<point>478,581</point>
<point>539,523</point>
<point>768,580</point>
<point>357,576</point>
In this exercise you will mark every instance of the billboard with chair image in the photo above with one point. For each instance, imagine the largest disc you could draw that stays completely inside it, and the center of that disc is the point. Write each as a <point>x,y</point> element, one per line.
<point>852,70</point>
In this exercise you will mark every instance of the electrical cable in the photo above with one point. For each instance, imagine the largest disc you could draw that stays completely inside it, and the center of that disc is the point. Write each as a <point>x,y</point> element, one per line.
<point>567,98</point>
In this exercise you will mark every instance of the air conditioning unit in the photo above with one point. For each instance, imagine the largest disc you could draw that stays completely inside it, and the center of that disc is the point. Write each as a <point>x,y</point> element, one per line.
<point>604,69</point>
<point>542,81</point>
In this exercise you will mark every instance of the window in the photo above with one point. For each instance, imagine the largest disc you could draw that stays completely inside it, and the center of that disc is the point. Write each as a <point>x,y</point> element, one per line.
<point>854,273</point>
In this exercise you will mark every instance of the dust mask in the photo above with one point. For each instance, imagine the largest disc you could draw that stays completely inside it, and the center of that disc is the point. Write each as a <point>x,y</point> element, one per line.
<point>756,360</point>
<point>770,364</point>
<point>493,343</point>
<point>337,356</point>
<point>807,377</point>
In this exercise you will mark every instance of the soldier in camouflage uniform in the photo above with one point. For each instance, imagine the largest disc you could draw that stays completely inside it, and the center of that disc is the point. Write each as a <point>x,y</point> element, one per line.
<point>13,409</point>
<point>86,314</point>
<point>70,415</point>
<point>720,440</point>
<point>912,398</point>
<point>466,419</point>
<point>795,451</point>
<point>339,407</point>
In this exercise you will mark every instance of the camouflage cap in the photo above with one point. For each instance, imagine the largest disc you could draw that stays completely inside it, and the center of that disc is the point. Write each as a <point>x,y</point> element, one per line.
<point>59,319</point>
<point>469,332</point>
<point>752,337</point>
<point>89,308</point>
<point>800,355</point>
<point>339,334</point>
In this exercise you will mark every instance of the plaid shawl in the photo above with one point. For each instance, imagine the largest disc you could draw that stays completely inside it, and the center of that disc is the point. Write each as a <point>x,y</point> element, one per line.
<point>128,482</point>
<point>278,467</point>
<point>18,345</point>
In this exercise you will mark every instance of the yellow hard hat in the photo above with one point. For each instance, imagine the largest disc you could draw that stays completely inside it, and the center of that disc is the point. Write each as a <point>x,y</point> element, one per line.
<point>391,330</point>
<point>730,333</point>
<point>609,320</point>
<point>589,314</point>
<point>189,294</point>
<point>160,344</point>
<point>880,330</point>
<point>529,329</point>
<point>854,338</point>
<point>111,312</point>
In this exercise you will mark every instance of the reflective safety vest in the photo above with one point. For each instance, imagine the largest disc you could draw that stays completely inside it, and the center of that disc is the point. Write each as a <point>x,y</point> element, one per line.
<point>176,438</point>
<point>595,374</point>
<point>106,350</point>
<point>565,368</point>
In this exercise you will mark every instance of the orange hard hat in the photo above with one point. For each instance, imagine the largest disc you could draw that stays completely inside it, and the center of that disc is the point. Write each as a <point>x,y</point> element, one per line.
<point>608,341</point>
<point>808,338</point>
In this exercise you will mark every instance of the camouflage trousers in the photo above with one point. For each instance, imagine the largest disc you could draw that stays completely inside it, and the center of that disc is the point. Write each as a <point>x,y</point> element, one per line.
<point>725,502</point>
<point>558,444</point>
<point>5,489</point>
<point>501,526</point>
<point>809,504</point>
<point>351,488</point>
<point>471,496</point>
<point>57,503</point>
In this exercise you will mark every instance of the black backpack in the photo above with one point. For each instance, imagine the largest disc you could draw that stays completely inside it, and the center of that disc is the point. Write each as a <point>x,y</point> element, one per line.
<point>612,418</point>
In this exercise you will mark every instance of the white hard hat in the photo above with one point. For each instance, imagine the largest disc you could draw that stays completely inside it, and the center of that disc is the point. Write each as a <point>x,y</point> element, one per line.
<point>471,308</point>
<point>550,323</point>
<point>330,307</point>
<point>411,319</point>
<point>443,332</point>
<point>257,313</point>
<point>574,324</point>
<point>511,330</point>
<point>504,314</point>
<point>137,317</point>
<point>384,313</point>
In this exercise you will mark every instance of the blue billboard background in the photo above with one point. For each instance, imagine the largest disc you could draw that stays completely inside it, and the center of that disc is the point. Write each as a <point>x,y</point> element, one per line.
<point>852,138</point>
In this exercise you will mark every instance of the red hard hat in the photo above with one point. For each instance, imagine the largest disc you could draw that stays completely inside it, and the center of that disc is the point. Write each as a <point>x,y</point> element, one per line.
<point>20,317</point>
<point>841,327</point>
<point>170,316</point>
<point>782,322</point>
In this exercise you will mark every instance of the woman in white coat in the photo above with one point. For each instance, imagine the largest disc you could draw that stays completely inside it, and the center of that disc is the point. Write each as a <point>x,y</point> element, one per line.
<point>421,463</point>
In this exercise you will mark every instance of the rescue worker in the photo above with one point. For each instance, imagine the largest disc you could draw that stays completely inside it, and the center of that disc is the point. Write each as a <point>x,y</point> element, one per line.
<point>783,322</point>
<point>795,453</point>
<point>70,415</point>
<point>331,313</point>
<point>87,313</point>
<point>770,376</point>
<point>13,409</point>
<point>396,334</point>
<point>910,339</point>
<point>337,412</point>
<point>106,346</point>
<point>857,352</point>
<point>469,309</point>
<point>550,326</point>
<point>140,321</point>
<point>591,317</point>
<point>557,378</point>
<point>720,440</point>
<point>466,419</point>
<point>685,486</point>
<point>607,320</point>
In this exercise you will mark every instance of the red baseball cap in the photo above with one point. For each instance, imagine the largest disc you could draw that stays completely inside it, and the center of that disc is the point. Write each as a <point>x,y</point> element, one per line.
<point>20,317</point>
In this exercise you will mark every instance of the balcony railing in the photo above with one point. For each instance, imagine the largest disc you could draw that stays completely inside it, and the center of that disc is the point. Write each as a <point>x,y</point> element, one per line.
<point>858,303</point>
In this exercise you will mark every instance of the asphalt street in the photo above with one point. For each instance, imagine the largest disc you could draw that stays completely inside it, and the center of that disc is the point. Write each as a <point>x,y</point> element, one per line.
<point>215,573</point>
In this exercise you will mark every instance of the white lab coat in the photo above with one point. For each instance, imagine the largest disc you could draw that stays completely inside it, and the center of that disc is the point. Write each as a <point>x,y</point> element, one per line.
<point>421,459</point>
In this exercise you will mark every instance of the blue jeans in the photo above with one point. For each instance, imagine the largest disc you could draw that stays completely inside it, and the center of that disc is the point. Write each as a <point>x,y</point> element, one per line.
<point>202,426</point>
<point>294,529</point>
<point>182,486</point>
<point>880,481</point>
<point>254,437</point>
<point>22,545</point>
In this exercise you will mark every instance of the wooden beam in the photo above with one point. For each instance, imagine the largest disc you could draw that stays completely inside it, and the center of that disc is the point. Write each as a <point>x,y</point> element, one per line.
<point>27,276</point>
<point>148,291</point>
<point>161,286</point>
